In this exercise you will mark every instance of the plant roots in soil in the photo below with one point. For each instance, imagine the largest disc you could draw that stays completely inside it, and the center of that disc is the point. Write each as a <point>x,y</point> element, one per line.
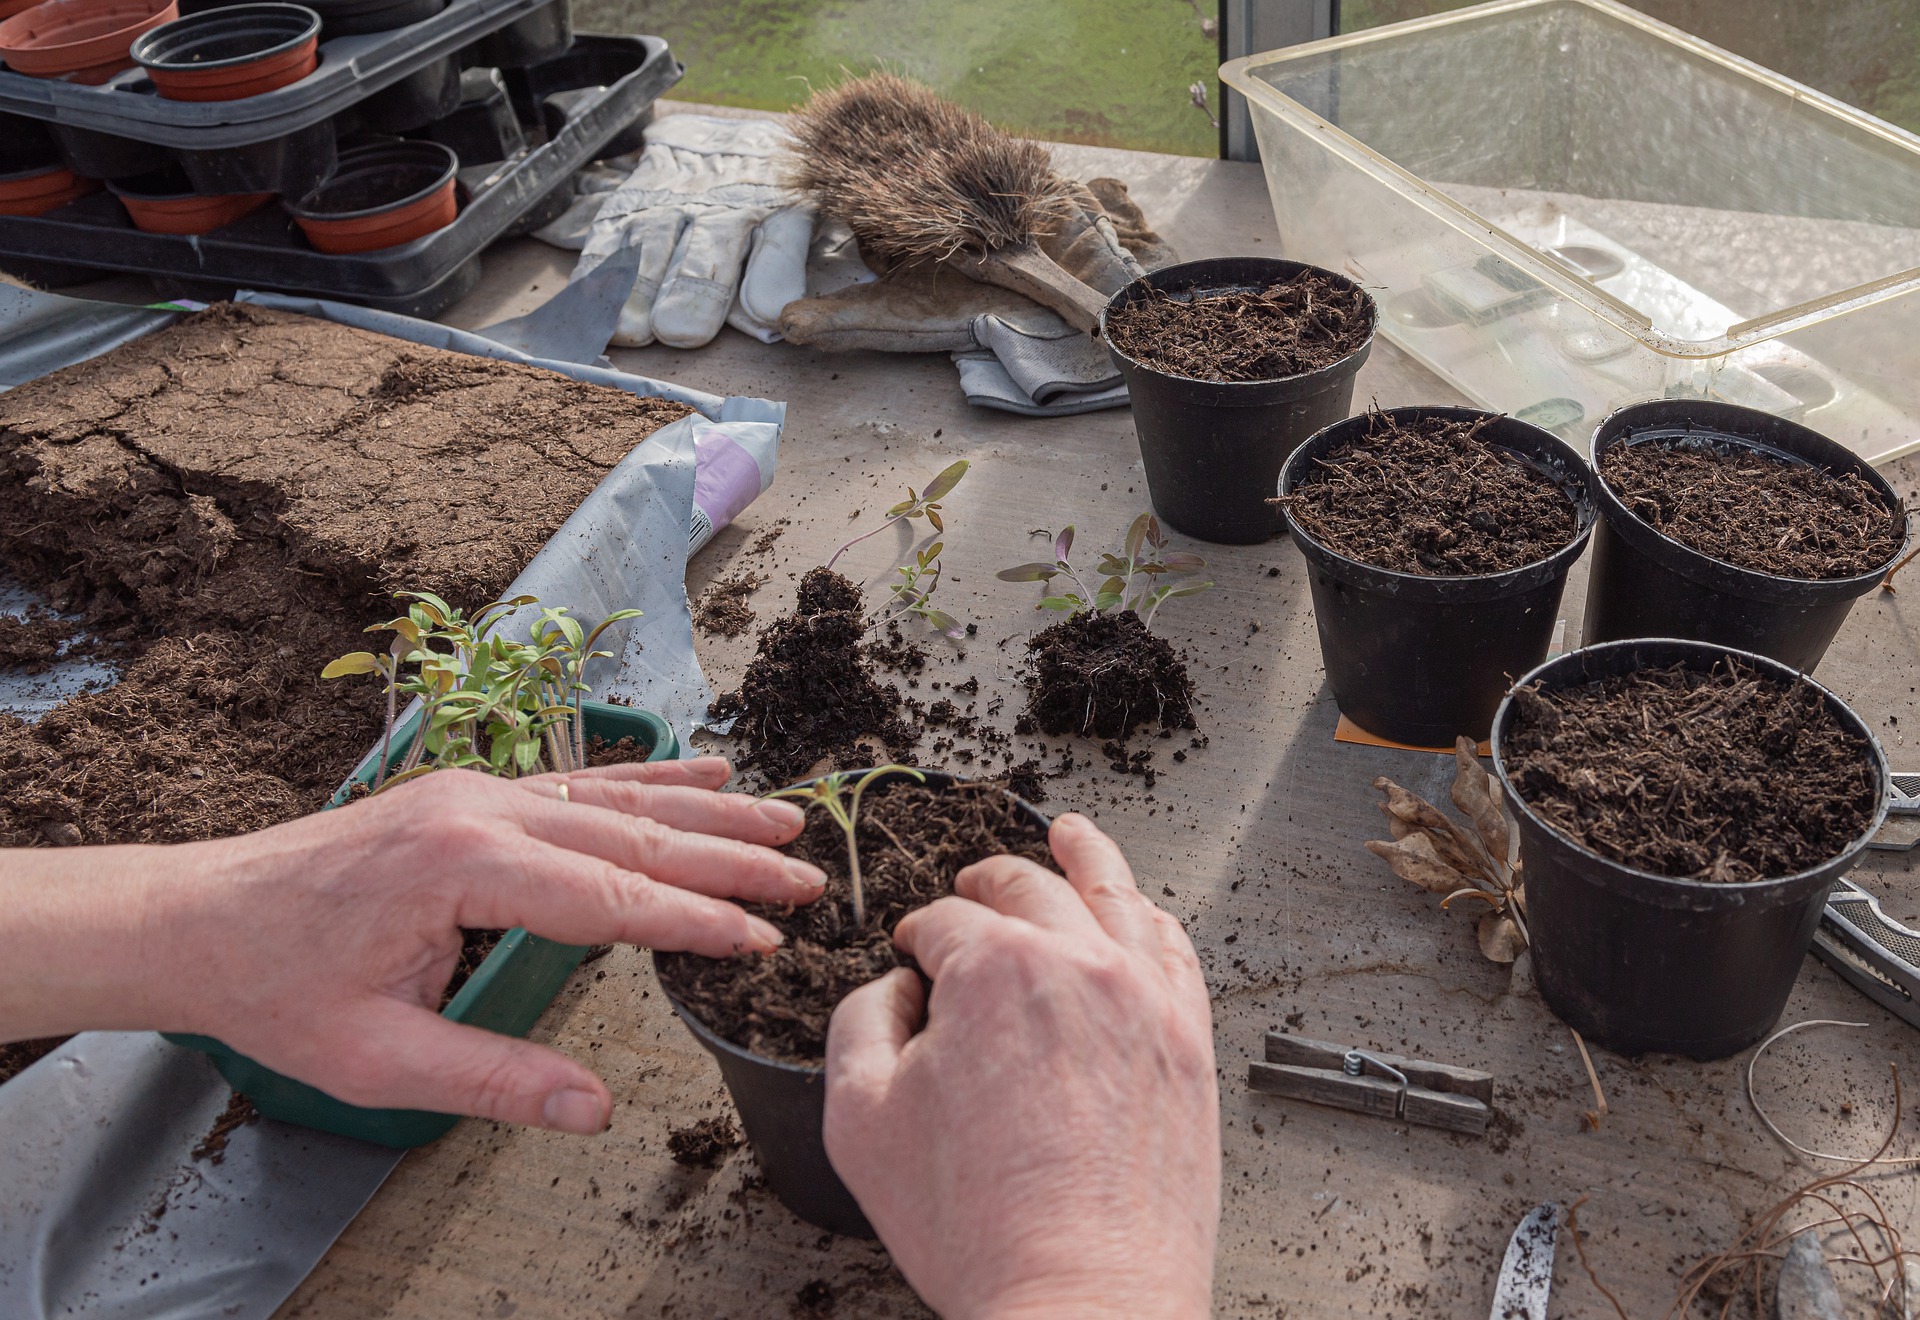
<point>1754,510</point>
<point>913,841</point>
<point>1730,776</point>
<point>1103,676</point>
<point>705,1144</point>
<point>1432,497</point>
<point>1304,324</point>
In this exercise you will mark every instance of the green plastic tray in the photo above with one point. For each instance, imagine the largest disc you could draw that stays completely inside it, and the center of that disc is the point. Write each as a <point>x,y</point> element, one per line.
<point>508,993</point>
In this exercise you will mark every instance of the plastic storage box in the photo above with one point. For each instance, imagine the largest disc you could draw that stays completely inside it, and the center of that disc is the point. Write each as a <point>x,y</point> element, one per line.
<point>1564,206</point>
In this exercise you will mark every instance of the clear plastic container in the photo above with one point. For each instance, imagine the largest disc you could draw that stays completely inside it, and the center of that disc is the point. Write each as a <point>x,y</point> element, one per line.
<point>1564,206</point>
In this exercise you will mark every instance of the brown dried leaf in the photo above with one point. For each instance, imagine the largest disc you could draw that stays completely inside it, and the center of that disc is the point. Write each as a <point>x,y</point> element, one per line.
<point>1500,939</point>
<point>1414,859</point>
<point>1470,794</point>
<point>1407,812</point>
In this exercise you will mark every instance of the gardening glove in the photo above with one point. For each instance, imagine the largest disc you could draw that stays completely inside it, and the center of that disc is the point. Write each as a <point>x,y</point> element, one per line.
<point>1011,353</point>
<point>719,236</point>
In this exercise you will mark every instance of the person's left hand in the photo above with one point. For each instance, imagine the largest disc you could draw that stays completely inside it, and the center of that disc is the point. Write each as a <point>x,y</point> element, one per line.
<point>321,947</point>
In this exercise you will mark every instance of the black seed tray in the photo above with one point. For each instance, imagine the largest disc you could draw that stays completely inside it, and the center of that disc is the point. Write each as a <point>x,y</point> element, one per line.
<point>352,68</point>
<point>615,80</point>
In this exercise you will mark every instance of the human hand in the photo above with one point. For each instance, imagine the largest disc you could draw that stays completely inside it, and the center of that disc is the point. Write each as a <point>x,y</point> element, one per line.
<point>1049,1144</point>
<point>321,947</point>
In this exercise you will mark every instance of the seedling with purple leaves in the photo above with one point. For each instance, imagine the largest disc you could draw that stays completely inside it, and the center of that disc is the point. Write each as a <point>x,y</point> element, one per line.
<point>924,504</point>
<point>1141,578</point>
<point>913,594</point>
<point>842,802</point>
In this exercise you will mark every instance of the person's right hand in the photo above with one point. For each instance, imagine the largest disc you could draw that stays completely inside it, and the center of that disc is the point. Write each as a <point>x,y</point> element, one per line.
<point>1049,1144</point>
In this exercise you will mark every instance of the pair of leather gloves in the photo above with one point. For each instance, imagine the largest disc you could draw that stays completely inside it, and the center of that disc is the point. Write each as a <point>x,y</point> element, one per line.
<point>714,237</point>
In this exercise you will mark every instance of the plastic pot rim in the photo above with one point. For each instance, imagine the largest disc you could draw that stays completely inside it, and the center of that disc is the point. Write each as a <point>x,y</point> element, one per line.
<point>208,21</point>
<point>1708,651</point>
<point>36,171</point>
<point>80,54</point>
<point>411,148</point>
<point>1437,588</point>
<point>1680,557</point>
<point>1235,393</point>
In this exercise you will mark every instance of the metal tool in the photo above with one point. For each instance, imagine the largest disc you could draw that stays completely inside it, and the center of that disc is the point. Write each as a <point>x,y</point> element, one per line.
<point>1879,955</point>
<point>1526,1273</point>
<point>1412,1090</point>
<point>1903,799</point>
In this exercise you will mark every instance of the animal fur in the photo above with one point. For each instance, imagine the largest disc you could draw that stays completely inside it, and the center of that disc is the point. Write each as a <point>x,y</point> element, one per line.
<point>918,178</point>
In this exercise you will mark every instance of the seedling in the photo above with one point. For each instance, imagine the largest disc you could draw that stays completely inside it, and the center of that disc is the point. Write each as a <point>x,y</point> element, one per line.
<point>1132,580</point>
<point>913,594</point>
<point>487,703</point>
<point>842,802</point>
<point>925,504</point>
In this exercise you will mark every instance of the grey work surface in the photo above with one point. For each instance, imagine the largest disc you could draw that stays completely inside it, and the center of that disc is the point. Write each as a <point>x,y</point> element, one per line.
<point>1257,837</point>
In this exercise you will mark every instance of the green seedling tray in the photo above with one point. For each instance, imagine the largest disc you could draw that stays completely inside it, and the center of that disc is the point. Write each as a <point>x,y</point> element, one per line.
<point>507,994</point>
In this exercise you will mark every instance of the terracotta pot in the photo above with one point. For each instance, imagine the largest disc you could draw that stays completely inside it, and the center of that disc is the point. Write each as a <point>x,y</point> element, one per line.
<point>8,8</point>
<point>83,41</point>
<point>38,191</point>
<point>379,197</point>
<point>231,53</point>
<point>165,203</point>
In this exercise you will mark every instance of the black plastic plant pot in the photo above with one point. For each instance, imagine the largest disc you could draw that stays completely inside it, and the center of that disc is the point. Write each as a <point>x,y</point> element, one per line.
<point>544,34</point>
<point>25,144</point>
<point>352,18</point>
<point>783,1105</point>
<point>483,128</point>
<point>96,155</point>
<point>430,92</point>
<point>1422,660</point>
<point>1643,583</point>
<point>1644,963</point>
<point>1213,449</point>
<point>293,165</point>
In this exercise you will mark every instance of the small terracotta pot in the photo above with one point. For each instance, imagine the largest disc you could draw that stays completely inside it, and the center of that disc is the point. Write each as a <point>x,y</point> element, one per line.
<point>379,197</point>
<point>165,203</point>
<point>39,190</point>
<point>82,41</point>
<point>8,8</point>
<point>230,53</point>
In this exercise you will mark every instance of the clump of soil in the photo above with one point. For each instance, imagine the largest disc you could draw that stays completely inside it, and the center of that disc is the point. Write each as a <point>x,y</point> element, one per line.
<point>1754,509</point>
<point>238,1113</point>
<point>33,643</point>
<point>1303,324</point>
<point>1431,496</point>
<point>704,1144</point>
<point>1727,776</point>
<point>17,1056</point>
<point>810,693</point>
<point>913,841</point>
<point>722,609</point>
<point>1104,675</point>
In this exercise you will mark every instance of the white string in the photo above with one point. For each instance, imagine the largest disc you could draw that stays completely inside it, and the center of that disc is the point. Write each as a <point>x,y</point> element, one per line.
<point>1774,1128</point>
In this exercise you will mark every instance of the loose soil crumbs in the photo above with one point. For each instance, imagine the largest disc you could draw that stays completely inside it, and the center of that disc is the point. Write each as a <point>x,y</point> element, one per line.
<point>1727,776</point>
<point>1304,324</point>
<point>33,643</point>
<point>1432,497</point>
<point>704,1144</point>
<point>1104,675</point>
<point>17,1056</point>
<point>238,1113</point>
<point>1756,510</point>
<point>913,841</point>
<point>722,610</point>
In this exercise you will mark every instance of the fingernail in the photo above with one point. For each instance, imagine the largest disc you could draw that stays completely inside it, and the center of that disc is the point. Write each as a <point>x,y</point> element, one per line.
<point>766,935</point>
<point>806,873</point>
<point>781,815</point>
<point>582,1112</point>
<point>707,765</point>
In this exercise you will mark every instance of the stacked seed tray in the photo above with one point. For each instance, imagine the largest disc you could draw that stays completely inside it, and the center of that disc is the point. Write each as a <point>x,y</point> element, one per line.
<point>521,99</point>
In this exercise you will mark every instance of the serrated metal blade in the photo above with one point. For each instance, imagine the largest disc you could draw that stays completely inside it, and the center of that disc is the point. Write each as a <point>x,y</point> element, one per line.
<point>1526,1274</point>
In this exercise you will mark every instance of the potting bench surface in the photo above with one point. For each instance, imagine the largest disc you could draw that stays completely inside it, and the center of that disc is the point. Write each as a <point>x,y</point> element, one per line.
<point>1254,841</point>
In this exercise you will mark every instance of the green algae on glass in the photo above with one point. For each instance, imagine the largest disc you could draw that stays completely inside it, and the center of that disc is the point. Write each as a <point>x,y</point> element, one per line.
<point>1107,72</point>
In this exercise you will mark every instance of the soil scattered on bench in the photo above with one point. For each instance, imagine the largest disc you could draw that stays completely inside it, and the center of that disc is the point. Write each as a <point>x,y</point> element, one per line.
<point>722,610</point>
<point>18,1056</point>
<point>705,1144</point>
<point>913,841</point>
<point>1303,324</point>
<point>1432,496</point>
<point>1726,776</point>
<point>1756,510</point>
<point>1103,676</point>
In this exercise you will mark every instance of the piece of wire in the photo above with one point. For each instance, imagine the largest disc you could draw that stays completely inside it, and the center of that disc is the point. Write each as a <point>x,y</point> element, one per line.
<point>1754,1100</point>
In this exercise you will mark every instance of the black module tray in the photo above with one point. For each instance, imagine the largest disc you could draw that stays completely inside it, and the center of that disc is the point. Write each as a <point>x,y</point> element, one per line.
<point>351,69</point>
<point>617,79</point>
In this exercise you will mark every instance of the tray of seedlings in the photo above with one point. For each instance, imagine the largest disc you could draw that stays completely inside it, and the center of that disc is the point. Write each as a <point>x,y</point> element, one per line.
<point>391,209</point>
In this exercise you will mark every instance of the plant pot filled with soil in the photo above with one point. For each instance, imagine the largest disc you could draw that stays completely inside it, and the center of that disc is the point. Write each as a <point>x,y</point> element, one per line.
<point>165,202</point>
<point>1683,810</point>
<point>42,188</point>
<point>82,41</point>
<point>1230,363</point>
<point>764,1017</point>
<point>226,54</point>
<point>381,196</point>
<point>1725,524</point>
<point>1438,542</point>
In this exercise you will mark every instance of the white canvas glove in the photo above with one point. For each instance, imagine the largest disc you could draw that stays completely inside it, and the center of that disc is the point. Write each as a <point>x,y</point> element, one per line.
<point>720,238</point>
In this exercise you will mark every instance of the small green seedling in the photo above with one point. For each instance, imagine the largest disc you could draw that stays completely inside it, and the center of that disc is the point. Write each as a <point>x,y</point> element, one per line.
<point>913,594</point>
<point>843,804</point>
<point>925,504</point>
<point>489,704</point>
<point>1118,591</point>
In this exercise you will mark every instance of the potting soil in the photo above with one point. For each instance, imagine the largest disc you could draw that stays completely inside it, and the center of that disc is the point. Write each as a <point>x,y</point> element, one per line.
<point>1104,675</point>
<point>1303,324</point>
<point>1755,510</point>
<point>1432,497</point>
<point>1730,776</point>
<point>913,842</point>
